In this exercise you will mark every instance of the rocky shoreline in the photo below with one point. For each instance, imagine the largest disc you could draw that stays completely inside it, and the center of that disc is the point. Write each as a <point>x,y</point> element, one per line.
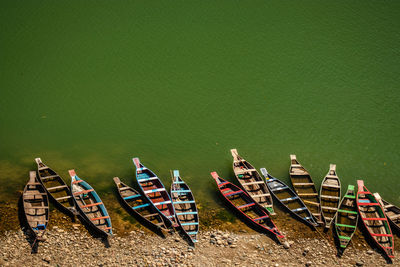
<point>221,243</point>
<point>77,247</point>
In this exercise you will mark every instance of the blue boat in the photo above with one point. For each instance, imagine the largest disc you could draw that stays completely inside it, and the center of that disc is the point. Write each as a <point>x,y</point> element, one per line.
<point>154,190</point>
<point>185,207</point>
<point>289,199</point>
<point>90,205</point>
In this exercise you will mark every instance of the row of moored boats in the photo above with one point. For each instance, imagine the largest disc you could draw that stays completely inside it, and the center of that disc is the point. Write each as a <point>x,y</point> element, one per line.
<point>254,199</point>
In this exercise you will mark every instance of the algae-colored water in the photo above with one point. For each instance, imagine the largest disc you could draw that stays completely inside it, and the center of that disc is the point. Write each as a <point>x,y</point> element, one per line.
<point>91,84</point>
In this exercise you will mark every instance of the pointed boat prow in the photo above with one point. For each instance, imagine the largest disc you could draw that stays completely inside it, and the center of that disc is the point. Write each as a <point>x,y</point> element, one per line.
<point>38,161</point>
<point>32,177</point>
<point>264,172</point>
<point>72,173</point>
<point>215,175</point>
<point>360,184</point>
<point>117,180</point>
<point>136,161</point>
<point>332,168</point>
<point>234,152</point>
<point>350,187</point>
<point>176,173</point>
<point>293,157</point>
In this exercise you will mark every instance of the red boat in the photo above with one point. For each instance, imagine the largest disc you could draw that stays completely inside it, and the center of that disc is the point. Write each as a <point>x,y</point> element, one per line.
<point>243,203</point>
<point>374,219</point>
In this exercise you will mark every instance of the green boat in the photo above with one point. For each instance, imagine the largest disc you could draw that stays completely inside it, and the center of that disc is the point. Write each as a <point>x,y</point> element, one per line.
<point>346,218</point>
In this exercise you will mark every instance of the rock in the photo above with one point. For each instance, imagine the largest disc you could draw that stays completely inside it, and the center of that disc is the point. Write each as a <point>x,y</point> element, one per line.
<point>359,263</point>
<point>286,245</point>
<point>308,263</point>
<point>46,259</point>
<point>370,252</point>
<point>305,251</point>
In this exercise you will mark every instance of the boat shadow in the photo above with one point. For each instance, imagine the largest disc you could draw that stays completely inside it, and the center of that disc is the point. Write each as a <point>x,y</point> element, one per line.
<point>94,232</point>
<point>25,228</point>
<point>370,241</point>
<point>245,220</point>
<point>286,211</point>
<point>141,220</point>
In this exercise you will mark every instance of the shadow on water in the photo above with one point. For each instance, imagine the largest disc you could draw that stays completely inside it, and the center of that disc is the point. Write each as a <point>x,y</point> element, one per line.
<point>144,222</point>
<point>26,229</point>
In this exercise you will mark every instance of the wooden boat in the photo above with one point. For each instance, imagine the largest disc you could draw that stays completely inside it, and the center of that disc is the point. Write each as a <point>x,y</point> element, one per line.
<point>347,217</point>
<point>185,207</point>
<point>55,186</point>
<point>140,206</point>
<point>329,195</point>
<point>90,205</point>
<point>305,188</point>
<point>36,206</point>
<point>392,212</point>
<point>154,190</point>
<point>289,199</point>
<point>374,219</point>
<point>251,182</point>
<point>246,206</point>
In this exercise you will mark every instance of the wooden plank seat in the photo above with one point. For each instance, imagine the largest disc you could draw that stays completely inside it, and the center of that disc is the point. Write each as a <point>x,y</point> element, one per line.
<point>34,184</point>
<point>389,206</point>
<point>77,181</point>
<point>261,218</point>
<point>329,197</point>
<point>43,168</point>
<point>348,211</point>
<point>307,194</point>
<point>394,217</point>
<point>63,198</point>
<point>252,183</point>
<point>289,199</point>
<point>83,192</point>
<point>261,195</point>
<point>91,205</point>
<point>328,208</point>
<point>302,184</point>
<point>279,188</point>
<point>233,193</point>
<point>107,228</point>
<point>33,194</point>
<point>299,209</point>
<point>145,180</point>
<point>331,186</point>
<point>38,207</point>
<point>311,202</point>
<point>100,218</point>
<point>141,206</point>
<point>246,205</point>
<point>57,187</point>
<point>154,190</point>
<point>48,177</point>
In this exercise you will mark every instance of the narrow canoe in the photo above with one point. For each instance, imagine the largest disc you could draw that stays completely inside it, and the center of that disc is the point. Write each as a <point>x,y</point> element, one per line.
<point>55,186</point>
<point>36,206</point>
<point>374,219</point>
<point>154,190</point>
<point>140,206</point>
<point>392,212</point>
<point>329,195</point>
<point>90,205</point>
<point>252,182</point>
<point>305,188</point>
<point>347,217</point>
<point>185,207</point>
<point>289,199</point>
<point>246,206</point>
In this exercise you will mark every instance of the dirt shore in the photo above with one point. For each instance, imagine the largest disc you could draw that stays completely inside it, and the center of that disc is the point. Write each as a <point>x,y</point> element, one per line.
<point>221,243</point>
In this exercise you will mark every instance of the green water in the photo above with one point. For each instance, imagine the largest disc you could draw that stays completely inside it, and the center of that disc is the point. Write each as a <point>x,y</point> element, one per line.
<point>91,84</point>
